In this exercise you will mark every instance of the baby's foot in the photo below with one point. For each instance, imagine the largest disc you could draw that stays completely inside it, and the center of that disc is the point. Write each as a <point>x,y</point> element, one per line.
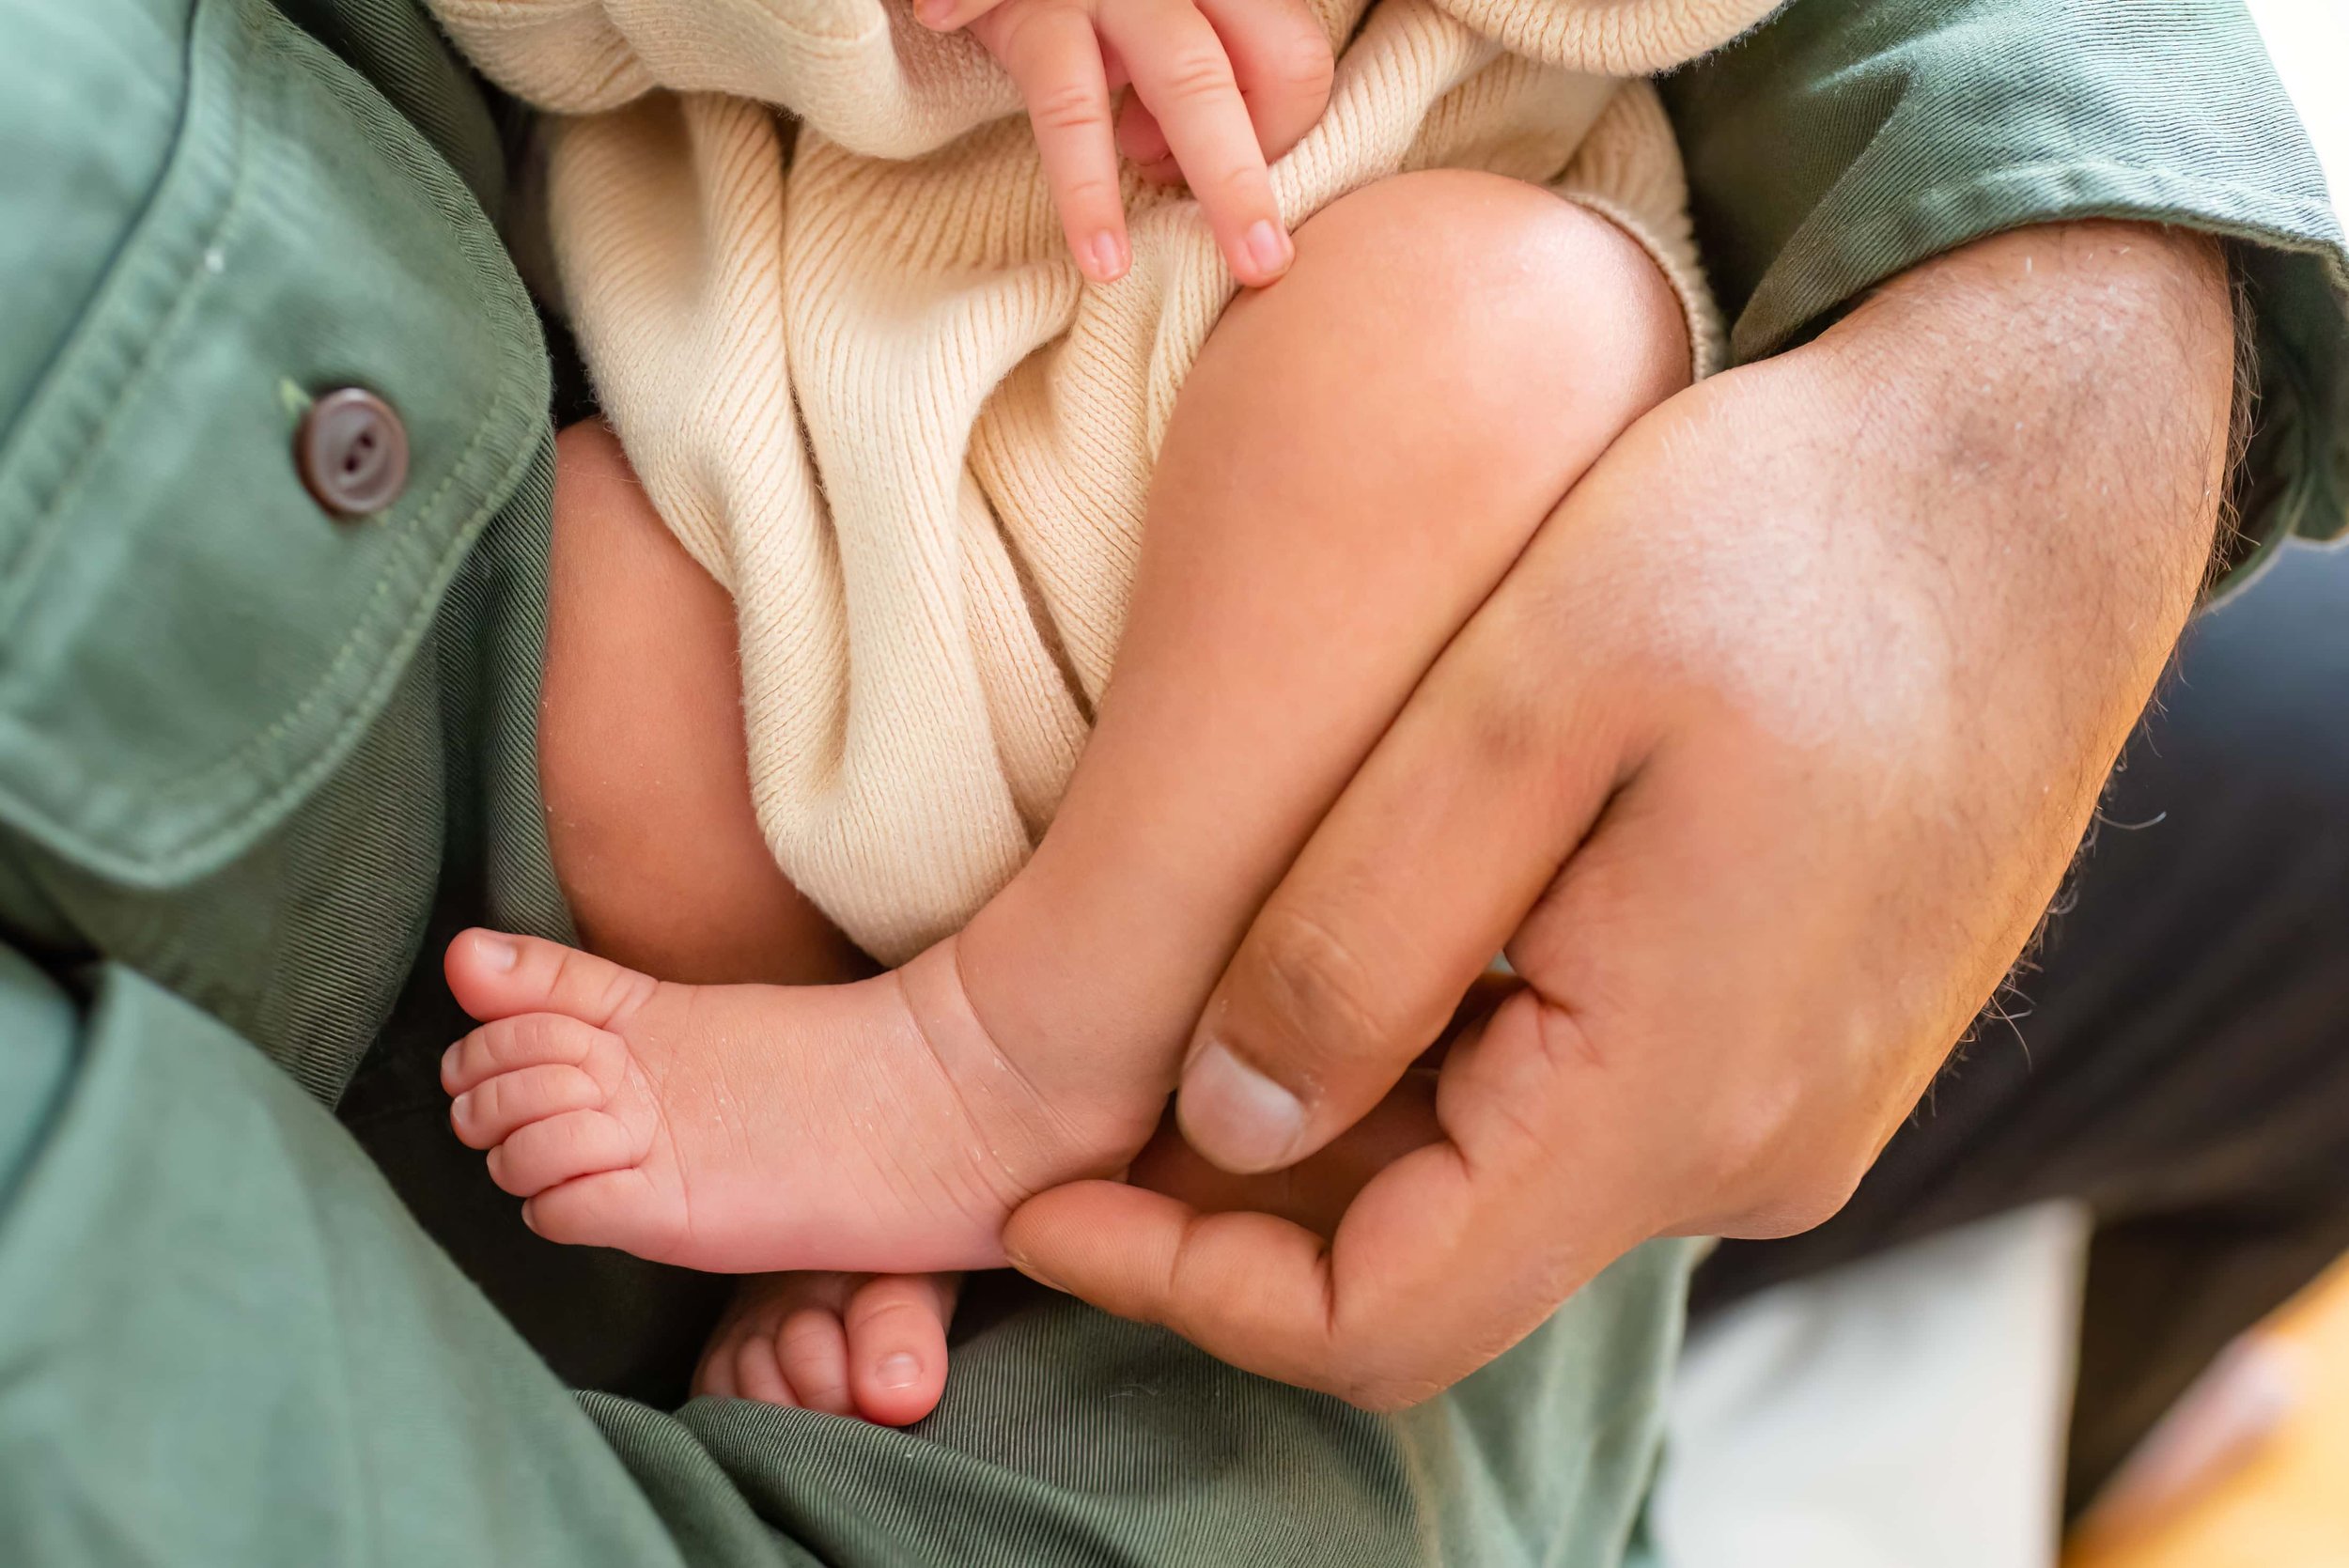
<point>848,1345</point>
<point>754,1129</point>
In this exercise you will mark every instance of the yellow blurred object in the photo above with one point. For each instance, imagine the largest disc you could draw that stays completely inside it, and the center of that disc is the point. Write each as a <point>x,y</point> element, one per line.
<point>2285,1501</point>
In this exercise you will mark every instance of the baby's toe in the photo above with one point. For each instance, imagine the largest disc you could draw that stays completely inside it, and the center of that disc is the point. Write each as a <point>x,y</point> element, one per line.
<point>758,1374</point>
<point>813,1347</point>
<point>496,976</point>
<point>561,1148</point>
<point>713,1376</point>
<point>532,1040</point>
<point>496,1109</point>
<point>628,1209</point>
<point>897,1327</point>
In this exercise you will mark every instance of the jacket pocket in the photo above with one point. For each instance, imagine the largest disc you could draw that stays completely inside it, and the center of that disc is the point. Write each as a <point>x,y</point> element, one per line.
<point>188,641</point>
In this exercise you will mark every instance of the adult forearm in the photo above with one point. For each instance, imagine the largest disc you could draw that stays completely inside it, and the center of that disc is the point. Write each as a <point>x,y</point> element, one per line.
<point>2059,398</point>
<point>2044,417</point>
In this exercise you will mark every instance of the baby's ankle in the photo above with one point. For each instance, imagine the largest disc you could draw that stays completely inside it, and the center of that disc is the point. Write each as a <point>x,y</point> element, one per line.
<point>1066,1097</point>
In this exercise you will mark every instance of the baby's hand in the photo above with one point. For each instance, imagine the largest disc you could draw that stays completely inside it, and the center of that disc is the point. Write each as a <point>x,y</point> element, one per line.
<point>1221,87</point>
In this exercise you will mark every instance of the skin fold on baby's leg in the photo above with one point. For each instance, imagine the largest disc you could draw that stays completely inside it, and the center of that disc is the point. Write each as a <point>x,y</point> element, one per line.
<point>1359,456</point>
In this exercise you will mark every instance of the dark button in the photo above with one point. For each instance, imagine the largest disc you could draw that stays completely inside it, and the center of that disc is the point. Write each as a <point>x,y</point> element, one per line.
<point>352,452</point>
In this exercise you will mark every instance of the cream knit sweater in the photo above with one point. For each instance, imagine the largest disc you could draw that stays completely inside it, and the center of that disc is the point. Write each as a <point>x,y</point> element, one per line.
<point>864,382</point>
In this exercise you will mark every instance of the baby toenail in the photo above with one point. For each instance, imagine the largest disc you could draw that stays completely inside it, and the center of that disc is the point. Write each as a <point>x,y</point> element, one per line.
<point>900,1370</point>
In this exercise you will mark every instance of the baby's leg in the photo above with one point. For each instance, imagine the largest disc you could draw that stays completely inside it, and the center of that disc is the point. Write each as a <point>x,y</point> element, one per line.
<point>641,756</point>
<point>656,846</point>
<point>1358,457</point>
<point>1361,453</point>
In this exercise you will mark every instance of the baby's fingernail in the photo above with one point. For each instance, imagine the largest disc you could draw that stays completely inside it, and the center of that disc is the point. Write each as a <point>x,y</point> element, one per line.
<point>1108,257</point>
<point>1267,247</point>
<point>900,1370</point>
<point>934,12</point>
<point>1236,1116</point>
<point>497,953</point>
<point>461,1107</point>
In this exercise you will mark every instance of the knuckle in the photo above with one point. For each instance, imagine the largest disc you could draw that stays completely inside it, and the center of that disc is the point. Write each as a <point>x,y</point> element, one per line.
<point>553,1137</point>
<point>519,1041</point>
<point>902,1318</point>
<point>1313,984</point>
<point>604,1063</point>
<point>809,1330</point>
<point>568,1088</point>
<point>475,1055</point>
<point>1087,194</point>
<point>1303,65</point>
<point>1807,1195</point>
<point>1742,1150</point>
<point>1184,1282</point>
<point>1007,30</point>
<point>622,992</point>
<point>543,1037</point>
<point>503,1045</point>
<point>1074,104</point>
<point>485,1106</point>
<point>1514,1129</point>
<point>1197,74</point>
<point>1773,1170</point>
<point>1236,185</point>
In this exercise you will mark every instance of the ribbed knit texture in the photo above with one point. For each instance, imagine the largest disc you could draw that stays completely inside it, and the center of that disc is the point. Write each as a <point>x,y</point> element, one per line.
<point>868,388</point>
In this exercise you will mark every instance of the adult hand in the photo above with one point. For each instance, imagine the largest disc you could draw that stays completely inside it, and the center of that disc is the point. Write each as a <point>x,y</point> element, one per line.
<point>1762,764</point>
<point>1219,89</point>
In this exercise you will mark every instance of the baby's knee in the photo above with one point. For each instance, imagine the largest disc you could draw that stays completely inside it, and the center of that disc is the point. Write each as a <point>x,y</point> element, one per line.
<point>1519,307</point>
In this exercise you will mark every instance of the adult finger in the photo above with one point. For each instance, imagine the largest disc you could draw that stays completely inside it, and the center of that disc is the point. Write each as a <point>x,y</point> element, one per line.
<point>1315,1193</point>
<point>1283,62</point>
<point>1054,57</point>
<point>1354,965</point>
<point>1381,1314</point>
<point>1181,71</point>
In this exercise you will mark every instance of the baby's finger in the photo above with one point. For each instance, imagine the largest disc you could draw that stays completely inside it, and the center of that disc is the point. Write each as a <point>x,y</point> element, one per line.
<point>1053,55</point>
<point>944,16</point>
<point>1281,59</point>
<point>1113,64</point>
<point>1140,138</point>
<point>1181,71</point>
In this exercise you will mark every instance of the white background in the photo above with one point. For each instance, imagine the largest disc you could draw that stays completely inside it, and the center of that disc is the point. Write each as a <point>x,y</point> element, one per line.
<point>2310,40</point>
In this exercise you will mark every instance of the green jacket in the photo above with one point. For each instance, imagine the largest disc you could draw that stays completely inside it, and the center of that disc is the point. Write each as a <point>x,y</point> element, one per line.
<point>256,764</point>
